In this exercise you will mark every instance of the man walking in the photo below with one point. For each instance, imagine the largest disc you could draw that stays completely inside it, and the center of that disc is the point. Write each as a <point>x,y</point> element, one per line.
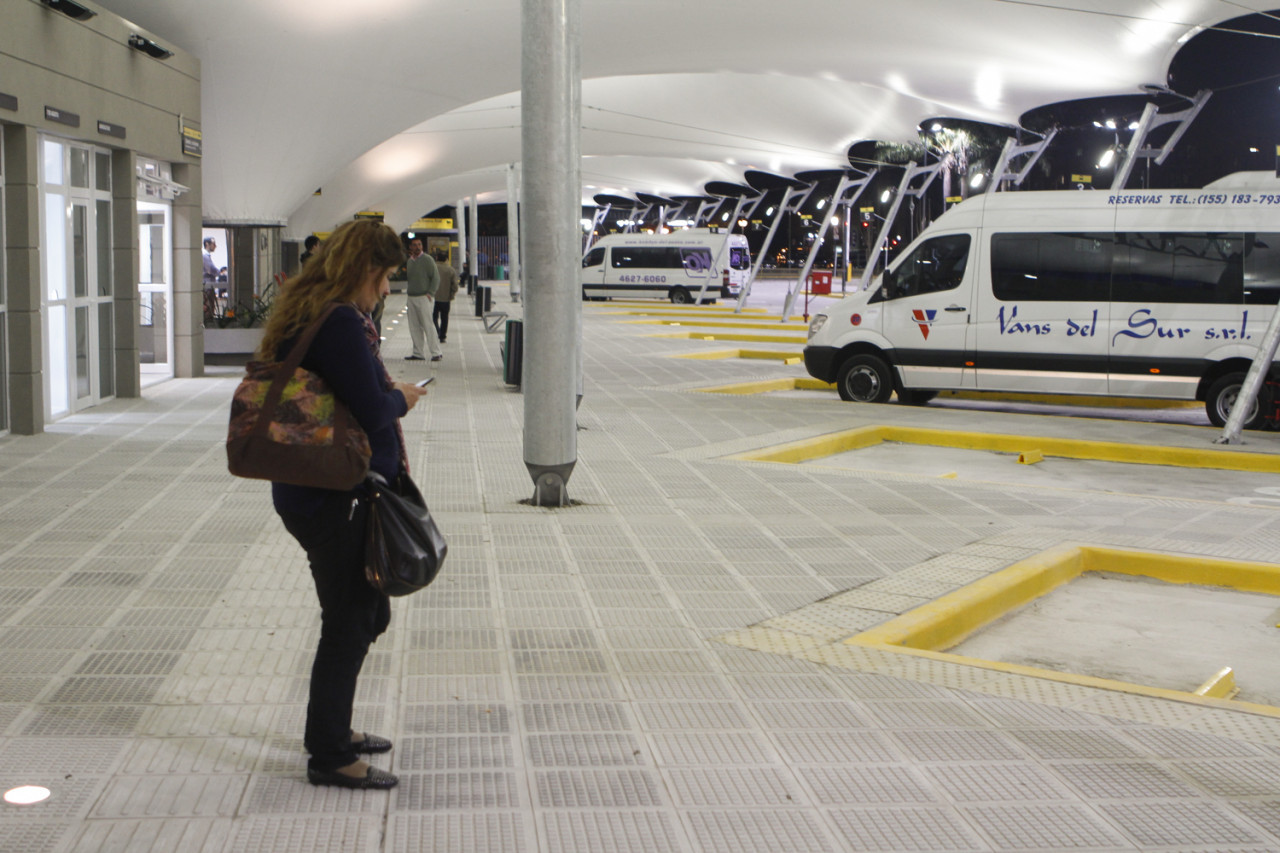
<point>423,279</point>
<point>444,294</point>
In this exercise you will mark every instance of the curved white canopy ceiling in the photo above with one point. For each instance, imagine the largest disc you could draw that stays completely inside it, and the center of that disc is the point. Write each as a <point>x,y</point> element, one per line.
<point>405,105</point>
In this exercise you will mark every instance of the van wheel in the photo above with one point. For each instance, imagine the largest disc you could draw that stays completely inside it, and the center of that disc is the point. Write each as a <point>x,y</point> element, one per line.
<point>864,379</point>
<point>680,296</point>
<point>1222,396</point>
<point>916,398</point>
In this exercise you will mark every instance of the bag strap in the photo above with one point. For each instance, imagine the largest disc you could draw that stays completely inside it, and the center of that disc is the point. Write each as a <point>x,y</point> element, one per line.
<point>286,370</point>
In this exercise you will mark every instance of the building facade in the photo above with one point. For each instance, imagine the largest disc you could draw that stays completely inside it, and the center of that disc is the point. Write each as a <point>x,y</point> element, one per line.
<point>100,257</point>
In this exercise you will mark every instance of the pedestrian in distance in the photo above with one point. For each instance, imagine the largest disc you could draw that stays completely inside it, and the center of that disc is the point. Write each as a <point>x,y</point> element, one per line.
<point>352,269</point>
<point>423,278</point>
<point>447,289</point>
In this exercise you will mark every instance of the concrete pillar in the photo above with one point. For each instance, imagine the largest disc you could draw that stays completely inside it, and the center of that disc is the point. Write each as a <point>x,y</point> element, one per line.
<point>551,111</point>
<point>124,271</point>
<point>22,256</point>
<point>188,275</point>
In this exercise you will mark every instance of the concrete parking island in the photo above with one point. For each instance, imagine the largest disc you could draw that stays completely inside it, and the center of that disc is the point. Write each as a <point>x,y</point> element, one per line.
<point>944,623</point>
<point>831,444</point>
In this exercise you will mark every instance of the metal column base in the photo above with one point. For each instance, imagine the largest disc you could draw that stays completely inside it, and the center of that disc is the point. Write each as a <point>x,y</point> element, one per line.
<point>550,485</point>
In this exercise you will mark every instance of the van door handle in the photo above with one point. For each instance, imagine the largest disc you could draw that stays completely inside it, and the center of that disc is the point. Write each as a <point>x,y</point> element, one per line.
<point>955,308</point>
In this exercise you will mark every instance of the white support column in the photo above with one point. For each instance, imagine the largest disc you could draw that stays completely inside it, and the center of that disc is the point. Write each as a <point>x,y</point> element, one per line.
<point>551,109</point>
<point>513,230</point>
<point>834,203</point>
<point>473,257</point>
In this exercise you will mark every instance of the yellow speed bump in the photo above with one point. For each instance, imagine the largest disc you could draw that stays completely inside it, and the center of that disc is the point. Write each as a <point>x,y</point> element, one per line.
<point>927,631</point>
<point>1069,448</point>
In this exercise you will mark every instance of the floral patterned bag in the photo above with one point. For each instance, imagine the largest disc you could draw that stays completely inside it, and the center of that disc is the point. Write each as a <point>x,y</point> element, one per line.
<point>288,426</point>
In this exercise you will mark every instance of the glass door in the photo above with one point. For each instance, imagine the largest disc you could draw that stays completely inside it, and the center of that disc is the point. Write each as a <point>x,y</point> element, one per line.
<point>155,290</point>
<point>79,347</point>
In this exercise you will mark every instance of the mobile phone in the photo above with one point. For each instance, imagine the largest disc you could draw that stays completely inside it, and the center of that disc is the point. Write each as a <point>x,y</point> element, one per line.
<point>424,383</point>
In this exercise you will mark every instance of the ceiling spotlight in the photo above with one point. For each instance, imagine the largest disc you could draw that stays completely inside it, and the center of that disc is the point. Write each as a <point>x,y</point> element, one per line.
<point>26,795</point>
<point>148,47</point>
<point>70,9</point>
<point>1108,157</point>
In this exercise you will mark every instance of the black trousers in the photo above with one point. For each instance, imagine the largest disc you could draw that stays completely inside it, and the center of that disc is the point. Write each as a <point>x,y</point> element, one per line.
<point>440,317</point>
<point>352,615</point>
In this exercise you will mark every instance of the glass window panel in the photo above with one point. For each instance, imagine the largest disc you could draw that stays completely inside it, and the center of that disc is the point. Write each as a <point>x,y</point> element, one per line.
<point>80,248</point>
<point>52,153</point>
<point>82,353</point>
<point>1051,267</point>
<point>102,170</point>
<point>59,392</point>
<point>1170,267</point>
<point>1262,269</point>
<point>106,351</point>
<point>104,247</point>
<point>153,329</point>
<point>934,266</point>
<point>79,168</point>
<point>55,245</point>
<point>151,248</point>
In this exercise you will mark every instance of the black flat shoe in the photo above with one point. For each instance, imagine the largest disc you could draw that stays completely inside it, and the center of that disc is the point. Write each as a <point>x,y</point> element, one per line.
<point>375,778</point>
<point>371,745</point>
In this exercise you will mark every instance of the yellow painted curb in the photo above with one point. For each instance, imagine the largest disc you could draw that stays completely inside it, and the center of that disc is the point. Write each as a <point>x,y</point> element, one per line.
<point>719,324</point>
<point>762,354</point>
<point>1070,448</point>
<point>928,630</point>
<point>733,336</point>
<point>756,387</point>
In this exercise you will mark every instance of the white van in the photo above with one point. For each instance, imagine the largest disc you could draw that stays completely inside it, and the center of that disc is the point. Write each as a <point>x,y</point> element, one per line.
<point>1140,293</point>
<point>673,266</point>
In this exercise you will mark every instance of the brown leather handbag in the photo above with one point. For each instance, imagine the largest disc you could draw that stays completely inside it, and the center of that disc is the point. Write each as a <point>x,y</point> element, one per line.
<point>288,426</point>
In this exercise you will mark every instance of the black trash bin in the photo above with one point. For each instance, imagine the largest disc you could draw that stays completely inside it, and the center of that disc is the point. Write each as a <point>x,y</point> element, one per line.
<point>484,296</point>
<point>513,352</point>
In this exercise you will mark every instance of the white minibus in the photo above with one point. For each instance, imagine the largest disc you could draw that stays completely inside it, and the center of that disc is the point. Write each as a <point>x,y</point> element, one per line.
<point>677,266</point>
<point>1136,293</point>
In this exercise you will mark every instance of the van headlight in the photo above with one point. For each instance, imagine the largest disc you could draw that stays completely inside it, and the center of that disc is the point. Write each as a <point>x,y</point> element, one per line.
<point>816,324</point>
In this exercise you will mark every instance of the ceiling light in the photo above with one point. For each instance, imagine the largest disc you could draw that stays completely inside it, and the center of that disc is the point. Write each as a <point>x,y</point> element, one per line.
<point>769,212</point>
<point>148,47</point>
<point>1107,157</point>
<point>884,196</point>
<point>26,795</point>
<point>822,202</point>
<point>70,9</point>
<point>976,180</point>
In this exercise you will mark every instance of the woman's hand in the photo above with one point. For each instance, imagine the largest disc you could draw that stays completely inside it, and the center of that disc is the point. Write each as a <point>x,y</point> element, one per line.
<point>411,393</point>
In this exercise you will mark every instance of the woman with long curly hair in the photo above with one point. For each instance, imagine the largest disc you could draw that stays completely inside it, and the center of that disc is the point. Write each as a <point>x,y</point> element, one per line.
<point>351,268</point>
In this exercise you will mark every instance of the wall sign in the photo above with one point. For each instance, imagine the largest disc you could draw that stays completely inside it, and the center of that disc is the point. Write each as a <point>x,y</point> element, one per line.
<point>106,128</point>
<point>192,142</point>
<point>70,119</point>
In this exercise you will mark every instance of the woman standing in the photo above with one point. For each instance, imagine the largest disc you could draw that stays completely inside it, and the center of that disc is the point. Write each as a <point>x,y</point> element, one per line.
<point>351,268</point>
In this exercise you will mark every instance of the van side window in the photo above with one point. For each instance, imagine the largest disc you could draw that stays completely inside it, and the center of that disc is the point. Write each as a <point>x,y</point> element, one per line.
<point>739,258</point>
<point>1261,269</point>
<point>932,267</point>
<point>1051,267</point>
<point>594,258</point>
<point>1173,267</point>
<point>647,257</point>
<point>696,260</point>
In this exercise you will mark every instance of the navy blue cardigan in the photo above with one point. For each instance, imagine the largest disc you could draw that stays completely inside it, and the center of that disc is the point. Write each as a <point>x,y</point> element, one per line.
<point>340,353</point>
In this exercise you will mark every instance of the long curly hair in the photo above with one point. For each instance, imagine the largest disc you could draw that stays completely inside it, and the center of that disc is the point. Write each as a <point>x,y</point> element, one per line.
<point>335,272</point>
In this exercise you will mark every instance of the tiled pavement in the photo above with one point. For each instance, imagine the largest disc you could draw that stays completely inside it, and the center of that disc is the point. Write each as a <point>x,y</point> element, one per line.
<point>576,680</point>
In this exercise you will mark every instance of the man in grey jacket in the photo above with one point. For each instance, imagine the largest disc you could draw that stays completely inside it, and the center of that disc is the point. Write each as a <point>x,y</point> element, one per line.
<point>423,279</point>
